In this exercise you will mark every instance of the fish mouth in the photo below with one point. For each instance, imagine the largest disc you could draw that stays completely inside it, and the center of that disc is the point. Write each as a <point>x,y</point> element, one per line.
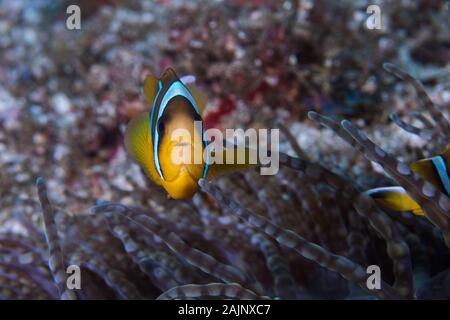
<point>184,186</point>
<point>186,172</point>
<point>184,158</point>
<point>182,144</point>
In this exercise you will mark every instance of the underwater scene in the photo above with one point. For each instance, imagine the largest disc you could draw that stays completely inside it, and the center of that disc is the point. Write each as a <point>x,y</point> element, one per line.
<point>224,149</point>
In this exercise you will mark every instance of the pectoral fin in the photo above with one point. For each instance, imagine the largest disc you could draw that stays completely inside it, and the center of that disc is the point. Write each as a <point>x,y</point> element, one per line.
<point>139,144</point>
<point>226,160</point>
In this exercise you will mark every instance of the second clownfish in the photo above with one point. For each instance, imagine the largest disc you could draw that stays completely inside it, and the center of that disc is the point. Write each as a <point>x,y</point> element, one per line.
<point>151,140</point>
<point>435,170</point>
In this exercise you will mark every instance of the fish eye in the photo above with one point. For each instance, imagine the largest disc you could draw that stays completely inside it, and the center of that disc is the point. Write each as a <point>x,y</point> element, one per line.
<point>161,127</point>
<point>197,117</point>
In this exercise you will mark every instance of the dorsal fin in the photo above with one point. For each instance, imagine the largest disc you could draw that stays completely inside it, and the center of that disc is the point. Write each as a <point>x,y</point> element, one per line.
<point>168,77</point>
<point>199,97</point>
<point>150,88</point>
<point>139,144</point>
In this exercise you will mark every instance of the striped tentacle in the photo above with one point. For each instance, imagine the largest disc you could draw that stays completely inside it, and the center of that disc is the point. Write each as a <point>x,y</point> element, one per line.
<point>424,133</point>
<point>181,218</point>
<point>292,140</point>
<point>429,232</point>
<point>285,286</point>
<point>297,217</point>
<point>244,253</point>
<point>299,194</point>
<point>92,235</point>
<point>94,242</point>
<point>424,120</point>
<point>333,125</point>
<point>311,251</point>
<point>176,224</point>
<point>115,279</point>
<point>284,283</point>
<point>346,188</point>
<point>211,290</point>
<point>144,258</point>
<point>163,254</point>
<point>428,105</point>
<point>421,262</point>
<point>165,260</point>
<point>337,230</point>
<point>193,256</point>
<point>317,224</point>
<point>326,220</point>
<point>56,259</point>
<point>241,192</point>
<point>314,212</point>
<point>300,154</point>
<point>397,248</point>
<point>317,172</point>
<point>271,196</point>
<point>220,227</point>
<point>355,238</point>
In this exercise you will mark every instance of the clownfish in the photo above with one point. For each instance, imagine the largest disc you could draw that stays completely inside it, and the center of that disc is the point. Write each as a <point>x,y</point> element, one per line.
<point>151,139</point>
<point>435,170</point>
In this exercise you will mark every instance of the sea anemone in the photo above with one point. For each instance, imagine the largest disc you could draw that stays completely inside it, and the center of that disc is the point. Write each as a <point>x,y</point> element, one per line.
<point>305,233</point>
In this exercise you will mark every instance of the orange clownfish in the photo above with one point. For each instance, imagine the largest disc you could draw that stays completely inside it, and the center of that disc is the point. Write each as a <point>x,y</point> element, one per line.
<point>435,170</point>
<point>151,138</point>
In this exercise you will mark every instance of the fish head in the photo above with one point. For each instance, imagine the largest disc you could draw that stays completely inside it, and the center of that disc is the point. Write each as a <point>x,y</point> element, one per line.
<point>181,149</point>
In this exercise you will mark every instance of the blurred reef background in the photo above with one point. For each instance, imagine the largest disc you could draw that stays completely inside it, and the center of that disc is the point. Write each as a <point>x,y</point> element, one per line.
<point>67,95</point>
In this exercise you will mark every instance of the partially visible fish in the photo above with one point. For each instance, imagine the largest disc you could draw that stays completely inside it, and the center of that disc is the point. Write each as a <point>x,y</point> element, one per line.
<point>395,198</point>
<point>435,170</point>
